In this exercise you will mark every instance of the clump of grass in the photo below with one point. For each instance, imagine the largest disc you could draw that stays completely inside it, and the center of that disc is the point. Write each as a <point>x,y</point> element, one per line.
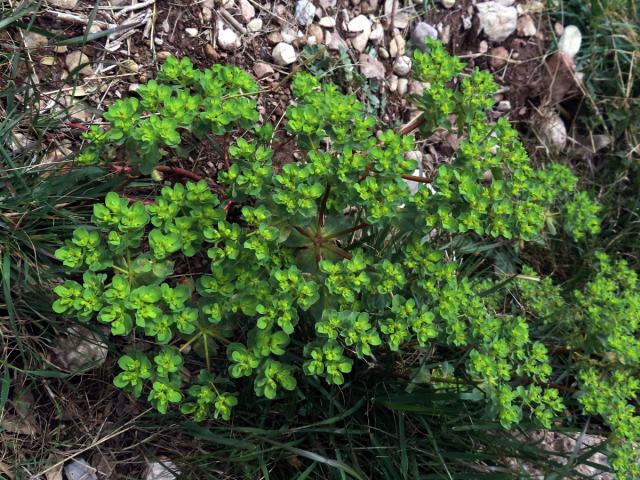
<point>610,60</point>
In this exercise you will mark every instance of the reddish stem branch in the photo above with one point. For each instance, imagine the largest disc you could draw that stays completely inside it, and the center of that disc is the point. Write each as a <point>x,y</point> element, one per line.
<point>79,126</point>
<point>180,172</point>
<point>412,125</point>
<point>415,178</point>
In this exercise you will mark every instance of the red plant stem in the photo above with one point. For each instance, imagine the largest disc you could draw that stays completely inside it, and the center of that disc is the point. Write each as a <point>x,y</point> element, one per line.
<point>180,172</point>
<point>412,125</point>
<point>79,126</point>
<point>121,169</point>
<point>305,232</point>
<point>415,178</point>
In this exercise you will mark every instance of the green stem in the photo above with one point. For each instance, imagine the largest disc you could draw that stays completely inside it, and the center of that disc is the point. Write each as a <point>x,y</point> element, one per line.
<point>190,341</point>
<point>347,231</point>
<point>121,270</point>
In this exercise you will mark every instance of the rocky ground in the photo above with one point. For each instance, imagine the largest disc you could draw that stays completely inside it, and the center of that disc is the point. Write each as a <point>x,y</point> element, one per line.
<point>84,55</point>
<point>363,44</point>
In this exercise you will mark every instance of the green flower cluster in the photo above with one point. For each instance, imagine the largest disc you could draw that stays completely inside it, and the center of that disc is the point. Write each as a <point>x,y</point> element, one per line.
<point>331,262</point>
<point>183,99</point>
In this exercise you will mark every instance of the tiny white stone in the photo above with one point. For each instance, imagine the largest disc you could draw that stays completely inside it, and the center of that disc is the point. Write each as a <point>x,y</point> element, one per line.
<point>377,33</point>
<point>396,45</point>
<point>165,470</point>
<point>570,41</point>
<point>413,185</point>
<point>327,22</point>
<point>504,106</point>
<point>284,54</point>
<point>289,35</point>
<point>305,11</point>
<point>247,11</point>
<point>402,66</point>
<point>420,32</point>
<point>393,83</point>
<point>553,131</point>
<point>497,20</point>
<point>228,39</point>
<point>483,47</point>
<point>76,59</point>
<point>526,26</point>
<point>255,25</point>
<point>448,3</point>
<point>192,32</point>
<point>403,86</point>
<point>361,25</point>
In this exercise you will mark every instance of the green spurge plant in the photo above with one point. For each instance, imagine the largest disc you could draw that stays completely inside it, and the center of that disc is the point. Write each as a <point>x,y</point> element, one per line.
<point>317,267</point>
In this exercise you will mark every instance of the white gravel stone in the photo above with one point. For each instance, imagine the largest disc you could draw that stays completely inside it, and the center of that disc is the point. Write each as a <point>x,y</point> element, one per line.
<point>377,33</point>
<point>504,106</point>
<point>262,70</point>
<point>289,35</point>
<point>247,11</point>
<point>305,11</point>
<point>327,22</point>
<point>496,20</point>
<point>228,39</point>
<point>255,25</point>
<point>79,469</point>
<point>526,26</point>
<point>421,32</point>
<point>34,40</point>
<point>552,131</point>
<point>397,45</point>
<point>570,41</point>
<point>284,54</point>
<point>192,32</point>
<point>448,3</point>
<point>393,83</point>
<point>402,66</point>
<point>165,470</point>
<point>403,86</point>
<point>371,67</point>
<point>362,25</point>
<point>76,58</point>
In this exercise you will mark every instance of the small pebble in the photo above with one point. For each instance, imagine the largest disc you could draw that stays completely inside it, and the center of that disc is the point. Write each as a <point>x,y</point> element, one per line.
<point>327,22</point>
<point>393,83</point>
<point>420,33</point>
<point>526,26</point>
<point>499,56</point>
<point>228,39</point>
<point>74,59</point>
<point>284,54</point>
<point>403,85</point>
<point>305,11</point>
<point>262,70</point>
<point>570,41</point>
<point>504,106</point>
<point>362,26</point>
<point>192,32</point>
<point>255,25</point>
<point>402,66</point>
<point>483,47</point>
<point>247,11</point>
